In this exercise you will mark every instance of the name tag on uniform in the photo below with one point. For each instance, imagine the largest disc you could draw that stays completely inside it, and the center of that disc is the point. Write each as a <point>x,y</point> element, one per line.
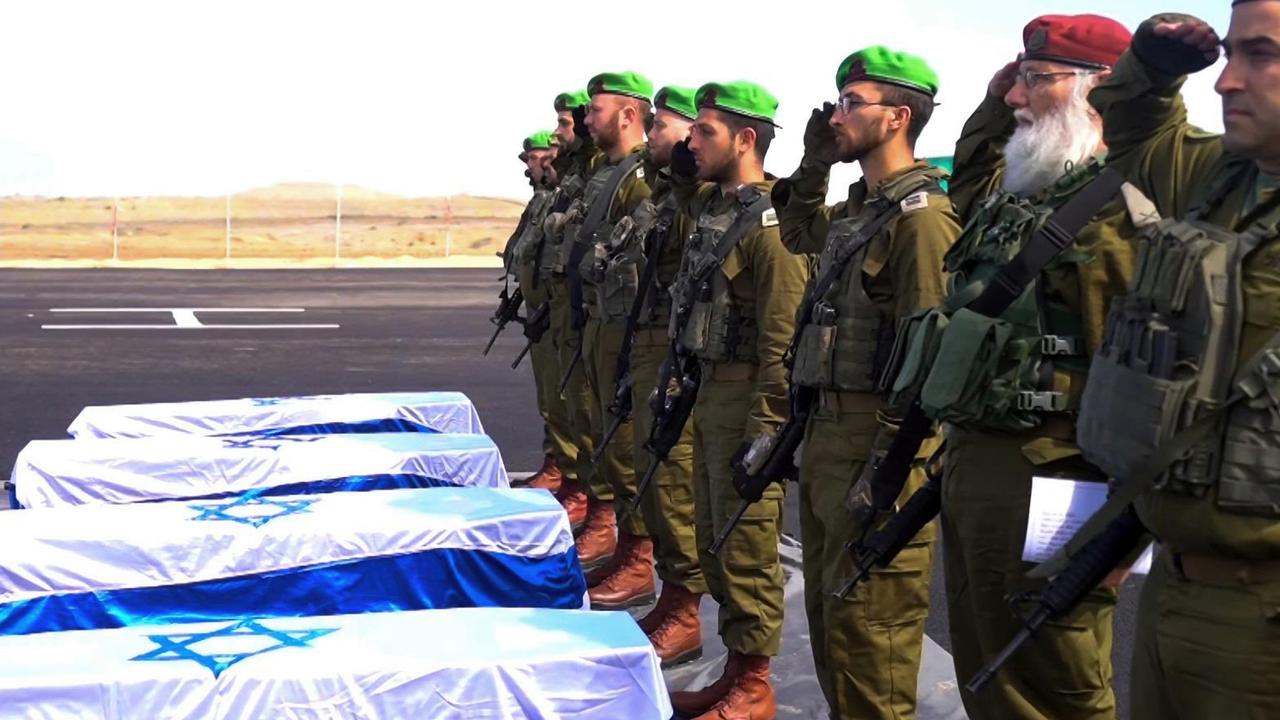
<point>918,201</point>
<point>769,218</point>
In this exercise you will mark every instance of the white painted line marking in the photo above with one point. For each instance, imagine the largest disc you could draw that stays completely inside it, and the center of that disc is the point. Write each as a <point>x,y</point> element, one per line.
<point>185,319</point>
<point>189,327</point>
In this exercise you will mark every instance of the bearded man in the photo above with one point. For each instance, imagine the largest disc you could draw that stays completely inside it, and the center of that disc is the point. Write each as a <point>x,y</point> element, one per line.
<point>1008,388</point>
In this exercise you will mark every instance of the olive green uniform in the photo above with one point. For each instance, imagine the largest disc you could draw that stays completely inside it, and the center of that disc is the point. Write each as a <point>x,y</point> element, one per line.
<point>1208,637</point>
<point>1066,672</point>
<point>866,648</point>
<point>525,263</point>
<point>614,474</point>
<point>667,506</point>
<point>740,338</point>
<point>577,165</point>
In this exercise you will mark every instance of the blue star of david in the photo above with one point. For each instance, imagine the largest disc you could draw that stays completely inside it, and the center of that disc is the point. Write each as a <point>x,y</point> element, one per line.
<point>267,402</point>
<point>181,646</point>
<point>222,511</point>
<point>268,442</point>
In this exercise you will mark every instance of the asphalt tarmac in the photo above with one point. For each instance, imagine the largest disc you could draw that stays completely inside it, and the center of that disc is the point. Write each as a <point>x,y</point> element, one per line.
<point>396,330</point>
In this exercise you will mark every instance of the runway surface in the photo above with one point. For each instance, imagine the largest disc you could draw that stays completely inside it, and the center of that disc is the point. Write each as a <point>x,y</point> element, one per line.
<point>201,335</point>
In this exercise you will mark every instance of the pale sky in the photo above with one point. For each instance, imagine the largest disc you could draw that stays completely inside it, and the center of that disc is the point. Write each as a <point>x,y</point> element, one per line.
<point>205,97</point>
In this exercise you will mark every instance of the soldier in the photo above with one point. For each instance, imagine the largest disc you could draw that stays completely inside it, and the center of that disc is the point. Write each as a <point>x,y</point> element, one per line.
<point>1208,641</point>
<point>617,114</point>
<point>1028,177</point>
<point>740,288</point>
<point>577,154</point>
<point>651,236</point>
<point>881,261</point>
<point>522,261</point>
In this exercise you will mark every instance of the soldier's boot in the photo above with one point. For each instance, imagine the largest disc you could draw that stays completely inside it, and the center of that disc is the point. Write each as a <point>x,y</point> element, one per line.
<point>574,501</point>
<point>548,478</point>
<point>654,617</point>
<point>631,583</point>
<point>678,639</point>
<point>751,696</point>
<point>602,572</point>
<point>689,703</point>
<point>599,539</point>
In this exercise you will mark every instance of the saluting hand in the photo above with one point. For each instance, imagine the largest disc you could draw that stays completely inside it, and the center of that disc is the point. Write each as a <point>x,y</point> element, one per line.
<point>683,163</point>
<point>820,138</point>
<point>1177,44</point>
<point>1002,82</point>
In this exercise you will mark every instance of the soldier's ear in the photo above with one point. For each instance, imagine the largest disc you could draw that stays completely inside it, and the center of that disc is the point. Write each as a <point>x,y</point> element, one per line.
<point>747,139</point>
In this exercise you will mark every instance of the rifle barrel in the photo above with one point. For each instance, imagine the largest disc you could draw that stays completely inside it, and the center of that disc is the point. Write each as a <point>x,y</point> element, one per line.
<point>527,347</point>
<point>492,339</point>
<point>608,437</point>
<point>723,537</point>
<point>573,365</point>
<point>989,671</point>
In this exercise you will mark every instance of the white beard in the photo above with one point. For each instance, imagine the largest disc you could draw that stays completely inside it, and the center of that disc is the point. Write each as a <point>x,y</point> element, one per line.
<point>1040,153</point>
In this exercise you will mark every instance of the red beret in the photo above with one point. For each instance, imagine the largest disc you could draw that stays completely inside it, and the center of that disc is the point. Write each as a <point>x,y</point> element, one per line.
<point>1090,41</point>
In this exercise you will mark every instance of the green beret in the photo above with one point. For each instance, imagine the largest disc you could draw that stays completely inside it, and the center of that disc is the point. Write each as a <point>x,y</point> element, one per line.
<point>627,83</point>
<point>880,64</point>
<point>566,101</point>
<point>539,141</point>
<point>678,100</point>
<point>741,98</point>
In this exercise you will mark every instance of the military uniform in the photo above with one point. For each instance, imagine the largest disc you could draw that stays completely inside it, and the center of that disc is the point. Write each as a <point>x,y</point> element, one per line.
<point>1208,637</point>
<point>1008,389</point>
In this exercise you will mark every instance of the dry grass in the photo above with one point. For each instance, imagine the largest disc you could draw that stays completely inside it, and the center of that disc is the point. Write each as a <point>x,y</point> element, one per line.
<point>283,222</point>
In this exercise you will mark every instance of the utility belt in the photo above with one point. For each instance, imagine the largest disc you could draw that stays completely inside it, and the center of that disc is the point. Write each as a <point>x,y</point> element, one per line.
<point>729,371</point>
<point>1218,570</point>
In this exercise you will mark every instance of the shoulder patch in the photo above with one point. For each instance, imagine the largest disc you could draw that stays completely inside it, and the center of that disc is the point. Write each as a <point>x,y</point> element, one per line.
<point>915,201</point>
<point>769,218</point>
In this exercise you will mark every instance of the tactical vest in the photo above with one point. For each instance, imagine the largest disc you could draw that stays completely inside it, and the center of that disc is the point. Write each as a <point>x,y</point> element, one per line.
<point>616,271</point>
<point>595,256</point>
<point>844,341</point>
<point>1171,355</point>
<point>1006,373</point>
<point>716,328</point>
<point>527,250</point>
<point>556,247</point>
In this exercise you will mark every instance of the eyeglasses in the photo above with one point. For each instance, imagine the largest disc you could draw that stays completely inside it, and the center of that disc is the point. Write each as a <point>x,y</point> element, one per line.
<point>847,104</point>
<point>1034,80</point>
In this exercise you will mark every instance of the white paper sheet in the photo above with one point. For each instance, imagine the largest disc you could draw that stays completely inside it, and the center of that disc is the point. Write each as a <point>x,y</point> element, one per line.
<point>1059,507</point>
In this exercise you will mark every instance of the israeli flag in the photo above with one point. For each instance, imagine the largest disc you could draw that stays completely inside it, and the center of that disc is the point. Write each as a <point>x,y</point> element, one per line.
<point>56,473</point>
<point>437,665</point>
<point>442,412</point>
<point>103,566</point>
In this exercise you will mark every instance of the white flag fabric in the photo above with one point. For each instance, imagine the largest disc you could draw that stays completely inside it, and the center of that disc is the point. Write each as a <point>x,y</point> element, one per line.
<point>57,473</point>
<point>444,412</point>
<point>434,665</point>
<point>101,566</point>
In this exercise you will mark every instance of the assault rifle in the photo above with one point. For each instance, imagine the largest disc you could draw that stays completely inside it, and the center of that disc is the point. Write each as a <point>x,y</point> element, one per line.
<point>508,310</point>
<point>535,326</point>
<point>672,403</point>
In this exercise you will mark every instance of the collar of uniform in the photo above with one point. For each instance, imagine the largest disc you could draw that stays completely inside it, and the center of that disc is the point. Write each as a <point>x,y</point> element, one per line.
<point>894,188</point>
<point>639,148</point>
<point>745,194</point>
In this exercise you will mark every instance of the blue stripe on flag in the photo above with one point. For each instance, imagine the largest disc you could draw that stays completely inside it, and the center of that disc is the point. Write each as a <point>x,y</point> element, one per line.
<point>431,579</point>
<point>386,425</point>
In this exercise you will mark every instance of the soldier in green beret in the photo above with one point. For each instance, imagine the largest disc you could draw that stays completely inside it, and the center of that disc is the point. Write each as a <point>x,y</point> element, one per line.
<point>617,114</point>
<point>734,306</point>
<point>576,155</point>
<point>522,259</point>
<point>633,278</point>
<point>880,262</point>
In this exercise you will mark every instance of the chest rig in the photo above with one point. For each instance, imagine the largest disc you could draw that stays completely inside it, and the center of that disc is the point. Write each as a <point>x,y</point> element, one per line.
<point>555,240</point>
<point>615,268</point>
<point>527,250</point>
<point>1010,369</point>
<point>589,231</point>
<point>1170,359</point>
<point>842,340</point>
<point>706,320</point>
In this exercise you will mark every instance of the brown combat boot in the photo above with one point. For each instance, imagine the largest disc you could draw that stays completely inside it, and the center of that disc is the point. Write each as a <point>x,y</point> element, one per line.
<point>689,703</point>
<point>654,617</point>
<point>678,639</point>
<point>602,572</point>
<point>599,539</point>
<point>750,697</point>
<point>574,501</point>
<point>631,584</point>
<point>548,478</point>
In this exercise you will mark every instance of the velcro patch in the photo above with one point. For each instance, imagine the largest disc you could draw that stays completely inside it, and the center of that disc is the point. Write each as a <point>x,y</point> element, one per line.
<point>769,218</point>
<point>918,201</point>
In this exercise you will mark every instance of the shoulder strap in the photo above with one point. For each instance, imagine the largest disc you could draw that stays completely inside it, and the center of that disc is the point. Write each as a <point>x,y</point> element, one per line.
<point>604,200</point>
<point>655,241</point>
<point>1253,379</point>
<point>748,219</point>
<point>1057,233</point>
